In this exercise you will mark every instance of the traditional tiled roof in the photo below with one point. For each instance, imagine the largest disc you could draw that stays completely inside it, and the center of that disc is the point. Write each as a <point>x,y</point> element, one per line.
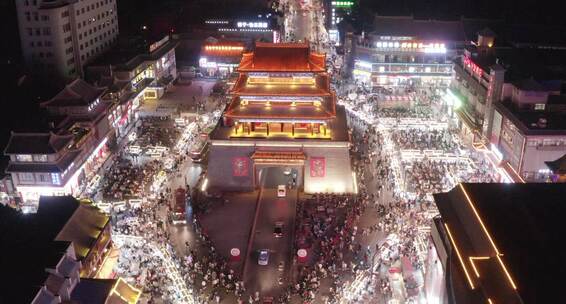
<point>300,112</point>
<point>77,93</point>
<point>321,88</point>
<point>83,228</point>
<point>282,57</point>
<point>105,291</point>
<point>36,143</point>
<point>60,166</point>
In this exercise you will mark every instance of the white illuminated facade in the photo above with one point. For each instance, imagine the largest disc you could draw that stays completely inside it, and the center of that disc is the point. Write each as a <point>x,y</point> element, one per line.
<point>392,61</point>
<point>61,36</point>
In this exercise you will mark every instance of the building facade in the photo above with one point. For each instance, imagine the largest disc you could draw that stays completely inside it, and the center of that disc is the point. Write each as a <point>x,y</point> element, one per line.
<point>61,36</point>
<point>282,114</point>
<point>406,51</point>
<point>60,162</point>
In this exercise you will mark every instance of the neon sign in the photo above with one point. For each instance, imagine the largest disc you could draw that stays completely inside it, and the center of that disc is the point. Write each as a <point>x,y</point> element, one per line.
<point>472,66</point>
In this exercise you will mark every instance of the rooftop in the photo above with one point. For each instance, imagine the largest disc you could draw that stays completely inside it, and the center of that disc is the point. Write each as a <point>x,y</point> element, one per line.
<point>557,166</point>
<point>286,57</point>
<point>104,291</point>
<point>542,64</point>
<point>520,221</point>
<point>528,121</point>
<point>77,93</point>
<point>130,56</point>
<point>29,246</point>
<point>407,26</point>
<point>37,143</point>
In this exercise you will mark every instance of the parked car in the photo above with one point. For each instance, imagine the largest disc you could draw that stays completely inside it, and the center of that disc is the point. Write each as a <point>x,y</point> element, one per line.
<point>263,258</point>
<point>281,191</point>
<point>278,229</point>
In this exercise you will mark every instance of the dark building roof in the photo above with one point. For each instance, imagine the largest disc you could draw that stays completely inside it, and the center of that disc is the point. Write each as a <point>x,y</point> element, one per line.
<point>92,291</point>
<point>127,58</point>
<point>77,93</point>
<point>37,143</point>
<point>524,223</point>
<point>422,29</point>
<point>282,57</point>
<point>523,63</point>
<point>515,34</point>
<point>557,166</point>
<point>29,246</point>
<point>529,121</point>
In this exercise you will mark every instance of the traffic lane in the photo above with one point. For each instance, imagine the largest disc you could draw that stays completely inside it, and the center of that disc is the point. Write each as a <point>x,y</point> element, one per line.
<point>265,278</point>
<point>272,209</point>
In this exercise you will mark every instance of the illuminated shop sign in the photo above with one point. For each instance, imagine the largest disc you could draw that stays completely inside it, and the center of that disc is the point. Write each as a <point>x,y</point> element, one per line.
<point>226,48</point>
<point>342,3</point>
<point>434,48</point>
<point>472,66</point>
<point>245,24</point>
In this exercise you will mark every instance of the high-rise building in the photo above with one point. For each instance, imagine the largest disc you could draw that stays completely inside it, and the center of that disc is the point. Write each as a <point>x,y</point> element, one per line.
<point>60,36</point>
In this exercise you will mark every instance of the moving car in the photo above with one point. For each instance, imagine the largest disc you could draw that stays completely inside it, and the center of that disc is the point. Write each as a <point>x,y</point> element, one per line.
<point>263,257</point>
<point>278,229</point>
<point>281,191</point>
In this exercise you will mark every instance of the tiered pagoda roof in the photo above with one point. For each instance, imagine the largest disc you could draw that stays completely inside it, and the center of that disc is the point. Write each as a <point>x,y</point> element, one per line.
<point>287,57</point>
<point>320,88</point>
<point>283,111</point>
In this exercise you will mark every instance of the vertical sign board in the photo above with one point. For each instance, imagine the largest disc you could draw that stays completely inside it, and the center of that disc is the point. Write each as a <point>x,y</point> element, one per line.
<point>240,166</point>
<point>318,167</point>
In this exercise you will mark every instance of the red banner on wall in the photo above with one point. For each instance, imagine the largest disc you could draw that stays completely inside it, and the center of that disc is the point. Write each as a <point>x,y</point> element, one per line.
<point>240,166</point>
<point>318,167</point>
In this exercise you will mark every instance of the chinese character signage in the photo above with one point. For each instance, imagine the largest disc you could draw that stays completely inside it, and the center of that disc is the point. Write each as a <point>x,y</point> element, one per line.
<point>240,166</point>
<point>318,167</point>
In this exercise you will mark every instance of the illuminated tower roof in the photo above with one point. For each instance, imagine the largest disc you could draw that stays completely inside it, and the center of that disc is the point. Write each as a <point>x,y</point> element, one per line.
<point>287,57</point>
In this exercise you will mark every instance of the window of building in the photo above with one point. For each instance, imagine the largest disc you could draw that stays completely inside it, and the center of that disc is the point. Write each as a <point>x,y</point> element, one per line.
<point>48,55</point>
<point>37,31</point>
<point>65,14</point>
<point>539,106</point>
<point>41,177</point>
<point>48,43</point>
<point>39,43</point>
<point>56,178</point>
<point>72,71</point>
<point>68,39</point>
<point>31,44</point>
<point>70,61</point>
<point>26,177</point>
<point>24,158</point>
<point>28,18</point>
<point>66,27</point>
<point>35,16</point>
<point>40,158</point>
<point>46,31</point>
<point>44,18</point>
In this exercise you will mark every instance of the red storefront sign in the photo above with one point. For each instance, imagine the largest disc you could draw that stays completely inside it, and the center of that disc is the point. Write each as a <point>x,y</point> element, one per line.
<point>240,166</point>
<point>318,167</point>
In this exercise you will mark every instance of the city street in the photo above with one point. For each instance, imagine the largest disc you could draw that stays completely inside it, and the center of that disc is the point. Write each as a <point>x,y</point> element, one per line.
<point>272,209</point>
